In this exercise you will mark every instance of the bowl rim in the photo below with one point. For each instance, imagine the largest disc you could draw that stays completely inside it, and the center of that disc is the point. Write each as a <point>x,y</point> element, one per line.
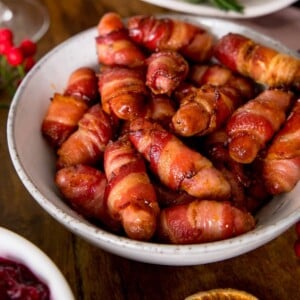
<point>154,252</point>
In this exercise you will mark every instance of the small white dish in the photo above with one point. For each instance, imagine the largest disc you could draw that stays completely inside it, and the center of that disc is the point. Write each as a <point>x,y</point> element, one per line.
<point>34,160</point>
<point>18,249</point>
<point>252,8</point>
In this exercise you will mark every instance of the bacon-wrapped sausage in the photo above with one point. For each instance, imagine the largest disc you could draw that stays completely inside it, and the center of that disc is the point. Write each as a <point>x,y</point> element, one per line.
<point>281,166</point>
<point>61,118</point>
<point>247,186</point>
<point>86,145</point>
<point>160,108</point>
<point>165,71</point>
<point>64,111</point>
<point>114,47</point>
<point>261,63</point>
<point>203,221</point>
<point>218,75</point>
<point>253,124</point>
<point>192,41</point>
<point>131,198</point>
<point>176,165</point>
<point>83,84</point>
<point>83,187</point>
<point>123,92</point>
<point>205,109</point>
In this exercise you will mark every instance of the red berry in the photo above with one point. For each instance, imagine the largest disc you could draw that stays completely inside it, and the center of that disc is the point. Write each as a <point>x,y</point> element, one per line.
<point>28,48</point>
<point>15,56</point>
<point>6,35</point>
<point>5,46</point>
<point>297,228</point>
<point>297,248</point>
<point>29,63</point>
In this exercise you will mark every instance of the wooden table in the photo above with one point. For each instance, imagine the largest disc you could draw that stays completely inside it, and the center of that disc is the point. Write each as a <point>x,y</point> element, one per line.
<point>269,272</point>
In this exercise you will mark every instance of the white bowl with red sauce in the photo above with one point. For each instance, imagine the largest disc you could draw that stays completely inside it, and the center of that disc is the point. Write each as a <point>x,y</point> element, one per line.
<point>34,161</point>
<point>42,276</point>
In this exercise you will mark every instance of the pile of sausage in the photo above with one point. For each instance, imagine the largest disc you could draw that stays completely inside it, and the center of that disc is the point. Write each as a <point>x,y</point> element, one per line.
<point>177,137</point>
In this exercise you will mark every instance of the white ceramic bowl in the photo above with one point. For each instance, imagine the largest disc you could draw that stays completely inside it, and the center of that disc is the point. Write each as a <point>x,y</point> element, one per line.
<point>16,248</point>
<point>35,163</point>
<point>252,8</point>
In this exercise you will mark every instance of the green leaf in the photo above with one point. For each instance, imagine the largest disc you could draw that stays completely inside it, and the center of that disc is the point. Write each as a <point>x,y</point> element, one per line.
<point>226,5</point>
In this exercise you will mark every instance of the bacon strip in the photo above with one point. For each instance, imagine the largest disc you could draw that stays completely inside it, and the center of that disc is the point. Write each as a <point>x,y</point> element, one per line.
<point>282,162</point>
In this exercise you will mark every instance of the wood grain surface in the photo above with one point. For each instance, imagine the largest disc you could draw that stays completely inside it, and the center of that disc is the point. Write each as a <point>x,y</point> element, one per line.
<point>270,272</point>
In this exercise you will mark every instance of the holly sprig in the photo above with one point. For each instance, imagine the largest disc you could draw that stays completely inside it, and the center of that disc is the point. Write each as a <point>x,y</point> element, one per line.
<point>226,5</point>
<point>15,61</point>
